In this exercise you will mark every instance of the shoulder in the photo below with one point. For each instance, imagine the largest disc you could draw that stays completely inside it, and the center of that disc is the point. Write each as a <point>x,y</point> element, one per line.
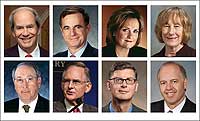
<point>43,52</point>
<point>89,108</point>
<point>61,54</point>
<point>187,51</point>
<point>42,99</point>
<point>13,101</point>
<point>108,51</point>
<point>137,109</point>
<point>189,106</point>
<point>11,52</point>
<point>160,54</point>
<point>106,108</point>
<point>90,51</point>
<point>138,52</point>
<point>157,106</point>
<point>11,105</point>
<point>59,106</point>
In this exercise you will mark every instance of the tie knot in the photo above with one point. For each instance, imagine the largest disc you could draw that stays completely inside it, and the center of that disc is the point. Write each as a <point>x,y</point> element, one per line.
<point>77,110</point>
<point>26,108</point>
<point>28,55</point>
<point>170,111</point>
<point>72,55</point>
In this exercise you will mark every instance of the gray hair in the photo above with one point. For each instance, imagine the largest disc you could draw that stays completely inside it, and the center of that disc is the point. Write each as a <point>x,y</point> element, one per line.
<point>33,11</point>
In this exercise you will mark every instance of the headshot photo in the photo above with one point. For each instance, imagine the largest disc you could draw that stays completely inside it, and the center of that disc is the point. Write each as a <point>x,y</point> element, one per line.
<point>124,31</point>
<point>173,31</point>
<point>26,86</point>
<point>75,86</point>
<point>124,86</point>
<point>75,31</point>
<point>26,31</point>
<point>173,86</point>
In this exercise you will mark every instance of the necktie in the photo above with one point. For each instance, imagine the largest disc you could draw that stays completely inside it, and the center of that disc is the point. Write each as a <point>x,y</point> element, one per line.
<point>170,111</point>
<point>77,110</point>
<point>26,108</point>
<point>28,55</point>
<point>72,55</point>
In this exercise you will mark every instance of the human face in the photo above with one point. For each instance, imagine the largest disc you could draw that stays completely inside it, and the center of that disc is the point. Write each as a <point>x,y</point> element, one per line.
<point>172,84</point>
<point>25,30</point>
<point>122,91</point>
<point>172,32</point>
<point>26,83</point>
<point>74,31</point>
<point>79,86</point>
<point>127,36</point>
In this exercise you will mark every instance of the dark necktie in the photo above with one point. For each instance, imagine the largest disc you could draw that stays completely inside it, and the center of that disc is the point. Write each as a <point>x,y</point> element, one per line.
<point>170,111</point>
<point>26,108</point>
<point>28,55</point>
<point>72,55</point>
<point>77,110</point>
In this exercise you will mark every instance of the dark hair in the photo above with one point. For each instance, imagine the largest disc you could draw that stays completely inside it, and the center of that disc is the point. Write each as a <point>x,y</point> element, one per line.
<point>121,65</point>
<point>33,11</point>
<point>78,64</point>
<point>181,68</point>
<point>30,64</point>
<point>72,10</point>
<point>117,20</point>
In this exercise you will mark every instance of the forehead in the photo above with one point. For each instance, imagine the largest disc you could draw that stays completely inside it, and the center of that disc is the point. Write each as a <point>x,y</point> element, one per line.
<point>75,18</point>
<point>172,17</point>
<point>74,70</point>
<point>132,22</point>
<point>124,72</point>
<point>24,69</point>
<point>24,14</point>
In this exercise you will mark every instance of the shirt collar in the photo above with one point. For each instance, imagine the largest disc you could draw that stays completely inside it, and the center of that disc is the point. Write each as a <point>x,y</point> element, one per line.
<point>32,105</point>
<point>177,109</point>
<point>113,110</point>
<point>80,52</point>
<point>35,53</point>
<point>69,107</point>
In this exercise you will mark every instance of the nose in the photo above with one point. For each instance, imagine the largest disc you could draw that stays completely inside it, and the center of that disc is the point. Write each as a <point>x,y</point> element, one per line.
<point>25,32</point>
<point>71,85</point>
<point>171,30</point>
<point>25,83</point>
<point>124,84</point>
<point>169,86</point>
<point>73,32</point>
<point>130,35</point>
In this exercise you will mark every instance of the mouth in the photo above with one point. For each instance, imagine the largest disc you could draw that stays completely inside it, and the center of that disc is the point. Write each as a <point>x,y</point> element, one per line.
<point>123,91</point>
<point>172,38</point>
<point>26,39</point>
<point>70,92</point>
<point>170,94</point>
<point>128,40</point>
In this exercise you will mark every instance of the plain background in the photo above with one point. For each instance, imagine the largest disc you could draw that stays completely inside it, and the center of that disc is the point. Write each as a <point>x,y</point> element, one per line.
<point>89,98</point>
<point>140,97</point>
<point>9,89</point>
<point>59,44</point>
<point>156,46</point>
<point>190,67</point>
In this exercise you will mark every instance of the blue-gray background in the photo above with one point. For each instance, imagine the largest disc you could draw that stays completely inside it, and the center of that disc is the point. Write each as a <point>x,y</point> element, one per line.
<point>9,89</point>
<point>190,67</point>
<point>89,98</point>
<point>156,46</point>
<point>58,41</point>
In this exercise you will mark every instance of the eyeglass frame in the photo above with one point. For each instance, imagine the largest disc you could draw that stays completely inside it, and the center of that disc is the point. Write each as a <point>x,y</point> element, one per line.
<point>75,82</point>
<point>27,79</point>
<point>122,80</point>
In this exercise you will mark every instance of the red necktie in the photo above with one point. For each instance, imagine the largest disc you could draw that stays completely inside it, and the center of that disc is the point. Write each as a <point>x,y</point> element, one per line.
<point>28,55</point>
<point>72,55</point>
<point>77,110</point>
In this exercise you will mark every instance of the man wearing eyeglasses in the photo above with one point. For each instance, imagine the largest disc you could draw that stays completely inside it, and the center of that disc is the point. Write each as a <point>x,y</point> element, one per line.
<point>75,84</point>
<point>122,84</point>
<point>27,81</point>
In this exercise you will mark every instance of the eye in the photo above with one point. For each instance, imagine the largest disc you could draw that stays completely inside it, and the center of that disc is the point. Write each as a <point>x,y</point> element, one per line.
<point>174,81</point>
<point>19,27</point>
<point>78,26</point>
<point>166,25</point>
<point>125,30</point>
<point>66,80</point>
<point>135,31</point>
<point>19,80</point>
<point>162,82</point>
<point>30,79</point>
<point>66,28</point>
<point>30,26</point>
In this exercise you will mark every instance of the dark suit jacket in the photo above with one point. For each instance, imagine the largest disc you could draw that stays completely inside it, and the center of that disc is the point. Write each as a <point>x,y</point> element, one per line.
<point>185,51</point>
<point>59,106</point>
<point>135,108</point>
<point>13,52</point>
<point>159,106</point>
<point>109,51</point>
<point>88,52</point>
<point>13,105</point>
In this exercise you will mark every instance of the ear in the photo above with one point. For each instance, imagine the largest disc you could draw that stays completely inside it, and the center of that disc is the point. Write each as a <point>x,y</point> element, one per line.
<point>88,27</point>
<point>88,87</point>
<point>136,86</point>
<point>108,84</point>
<point>185,83</point>
<point>39,81</point>
<point>13,33</point>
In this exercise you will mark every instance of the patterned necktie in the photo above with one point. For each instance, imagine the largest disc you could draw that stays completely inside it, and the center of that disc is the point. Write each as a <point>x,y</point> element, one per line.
<point>28,55</point>
<point>72,55</point>
<point>77,110</point>
<point>26,108</point>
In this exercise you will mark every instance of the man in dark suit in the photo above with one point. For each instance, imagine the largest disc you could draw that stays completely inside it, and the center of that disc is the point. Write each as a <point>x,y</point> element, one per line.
<point>25,27</point>
<point>74,25</point>
<point>173,83</point>
<point>122,84</point>
<point>75,83</point>
<point>27,81</point>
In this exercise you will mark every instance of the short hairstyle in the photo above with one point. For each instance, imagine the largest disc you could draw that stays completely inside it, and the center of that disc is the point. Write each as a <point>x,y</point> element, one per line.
<point>33,11</point>
<point>72,10</point>
<point>121,65</point>
<point>77,64</point>
<point>117,21</point>
<point>29,64</point>
<point>181,68</point>
<point>174,12</point>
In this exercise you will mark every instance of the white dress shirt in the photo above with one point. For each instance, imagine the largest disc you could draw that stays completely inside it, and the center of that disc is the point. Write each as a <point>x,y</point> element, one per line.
<point>69,107</point>
<point>35,53</point>
<point>177,109</point>
<point>32,106</point>
<point>78,53</point>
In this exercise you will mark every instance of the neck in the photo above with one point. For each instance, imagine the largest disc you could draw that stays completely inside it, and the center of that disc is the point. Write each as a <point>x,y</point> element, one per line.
<point>172,106</point>
<point>121,52</point>
<point>121,106</point>
<point>73,50</point>
<point>29,50</point>
<point>171,51</point>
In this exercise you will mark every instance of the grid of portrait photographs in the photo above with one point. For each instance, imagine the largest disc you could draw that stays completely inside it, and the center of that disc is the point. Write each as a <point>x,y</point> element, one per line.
<point>99,60</point>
